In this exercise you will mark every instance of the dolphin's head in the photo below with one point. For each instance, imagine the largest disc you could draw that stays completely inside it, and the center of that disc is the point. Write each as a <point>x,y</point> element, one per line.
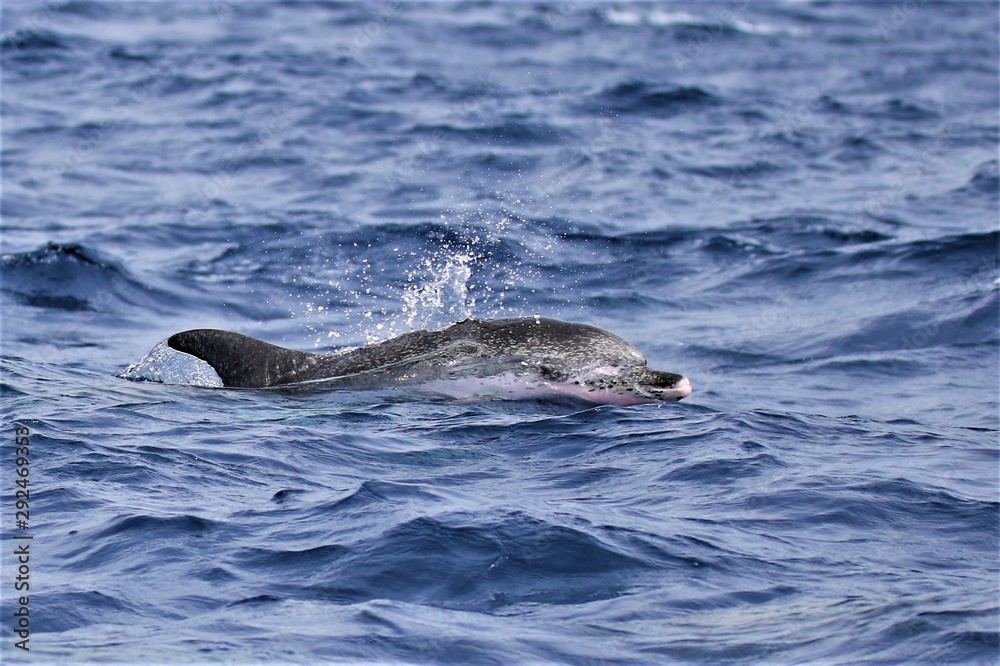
<point>633,385</point>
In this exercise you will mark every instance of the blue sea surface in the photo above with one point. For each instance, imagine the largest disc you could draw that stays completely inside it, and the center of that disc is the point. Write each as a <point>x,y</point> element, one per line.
<point>794,204</point>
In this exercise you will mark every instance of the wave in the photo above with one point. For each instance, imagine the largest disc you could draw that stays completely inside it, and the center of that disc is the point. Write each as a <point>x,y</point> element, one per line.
<point>965,252</point>
<point>32,44</point>
<point>452,562</point>
<point>510,133</point>
<point>646,99</point>
<point>81,608</point>
<point>985,180</point>
<point>72,277</point>
<point>690,26</point>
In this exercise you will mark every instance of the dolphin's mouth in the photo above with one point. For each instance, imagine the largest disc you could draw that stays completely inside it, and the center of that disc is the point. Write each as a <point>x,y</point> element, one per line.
<point>669,387</point>
<point>680,390</point>
<point>660,385</point>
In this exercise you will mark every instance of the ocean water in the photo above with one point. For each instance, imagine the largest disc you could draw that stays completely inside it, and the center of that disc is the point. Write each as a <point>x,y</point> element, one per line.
<point>794,204</point>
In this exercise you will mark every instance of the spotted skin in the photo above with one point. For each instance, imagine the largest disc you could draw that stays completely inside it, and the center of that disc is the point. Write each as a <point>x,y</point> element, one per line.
<point>577,360</point>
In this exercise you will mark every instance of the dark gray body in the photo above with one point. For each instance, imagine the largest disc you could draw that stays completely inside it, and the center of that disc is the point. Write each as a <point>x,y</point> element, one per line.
<point>547,349</point>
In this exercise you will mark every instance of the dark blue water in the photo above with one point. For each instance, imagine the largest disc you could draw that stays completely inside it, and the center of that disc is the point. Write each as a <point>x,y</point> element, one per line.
<point>793,204</point>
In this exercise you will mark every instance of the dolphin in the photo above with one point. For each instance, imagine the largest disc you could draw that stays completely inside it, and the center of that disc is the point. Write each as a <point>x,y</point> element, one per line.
<point>512,357</point>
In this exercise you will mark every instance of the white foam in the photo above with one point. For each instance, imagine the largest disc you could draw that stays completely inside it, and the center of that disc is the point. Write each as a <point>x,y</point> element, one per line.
<point>622,17</point>
<point>168,366</point>
<point>661,18</point>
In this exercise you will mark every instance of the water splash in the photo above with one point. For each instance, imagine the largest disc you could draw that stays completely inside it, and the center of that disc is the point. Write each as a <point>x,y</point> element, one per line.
<point>471,263</point>
<point>442,295</point>
<point>168,366</point>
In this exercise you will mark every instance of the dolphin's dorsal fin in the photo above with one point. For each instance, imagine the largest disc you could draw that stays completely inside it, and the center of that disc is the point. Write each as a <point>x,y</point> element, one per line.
<point>242,361</point>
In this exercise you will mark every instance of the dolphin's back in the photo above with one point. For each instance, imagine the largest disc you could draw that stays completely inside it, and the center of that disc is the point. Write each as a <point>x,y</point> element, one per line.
<point>245,362</point>
<point>242,361</point>
<point>544,338</point>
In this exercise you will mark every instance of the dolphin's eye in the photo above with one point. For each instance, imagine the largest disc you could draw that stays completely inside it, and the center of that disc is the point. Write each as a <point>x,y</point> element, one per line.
<point>548,372</point>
